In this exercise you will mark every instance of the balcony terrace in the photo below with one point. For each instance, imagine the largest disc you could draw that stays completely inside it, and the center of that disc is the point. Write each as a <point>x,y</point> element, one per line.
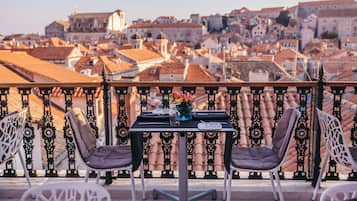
<point>254,109</point>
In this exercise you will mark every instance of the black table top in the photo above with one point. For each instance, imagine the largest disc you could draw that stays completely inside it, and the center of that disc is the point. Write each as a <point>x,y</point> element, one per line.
<point>149,122</point>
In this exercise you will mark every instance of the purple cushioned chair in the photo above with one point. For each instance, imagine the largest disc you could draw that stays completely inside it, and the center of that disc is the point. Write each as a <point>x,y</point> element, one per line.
<point>264,158</point>
<point>104,158</point>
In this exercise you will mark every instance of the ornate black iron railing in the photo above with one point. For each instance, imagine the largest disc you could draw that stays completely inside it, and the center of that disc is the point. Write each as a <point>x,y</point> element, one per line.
<point>245,102</point>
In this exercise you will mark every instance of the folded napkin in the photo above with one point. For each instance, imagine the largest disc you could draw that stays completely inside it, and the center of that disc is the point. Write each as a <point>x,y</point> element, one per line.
<point>214,116</point>
<point>146,116</point>
<point>209,126</point>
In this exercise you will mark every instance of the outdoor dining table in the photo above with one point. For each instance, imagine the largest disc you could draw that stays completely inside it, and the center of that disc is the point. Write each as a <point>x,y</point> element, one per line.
<point>149,122</point>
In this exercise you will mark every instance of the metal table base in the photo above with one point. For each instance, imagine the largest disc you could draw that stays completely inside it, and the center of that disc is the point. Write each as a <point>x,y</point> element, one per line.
<point>183,176</point>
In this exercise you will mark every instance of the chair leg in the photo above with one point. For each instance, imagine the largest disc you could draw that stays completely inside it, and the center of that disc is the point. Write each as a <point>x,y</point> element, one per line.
<point>281,196</point>
<point>142,181</point>
<point>87,175</point>
<point>273,186</point>
<point>322,170</point>
<point>132,184</point>
<point>225,184</point>
<point>230,175</point>
<point>98,177</point>
<point>25,169</point>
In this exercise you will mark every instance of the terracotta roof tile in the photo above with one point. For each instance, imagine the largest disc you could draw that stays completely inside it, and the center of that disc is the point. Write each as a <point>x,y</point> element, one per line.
<point>166,25</point>
<point>63,23</point>
<point>172,68</point>
<point>36,66</point>
<point>84,63</point>
<point>140,55</point>
<point>91,15</point>
<point>197,72</point>
<point>347,39</point>
<point>51,53</point>
<point>338,13</point>
<point>8,76</point>
<point>286,54</point>
<point>325,2</point>
<point>149,74</point>
<point>57,42</point>
<point>113,67</point>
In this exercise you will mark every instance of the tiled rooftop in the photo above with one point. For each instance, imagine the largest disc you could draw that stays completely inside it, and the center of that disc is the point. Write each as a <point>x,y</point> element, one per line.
<point>140,55</point>
<point>33,65</point>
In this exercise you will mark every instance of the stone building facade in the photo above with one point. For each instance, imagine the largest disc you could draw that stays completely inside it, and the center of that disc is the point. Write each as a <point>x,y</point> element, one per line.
<point>314,7</point>
<point>179,32</point>
<point>215,22</point>
<point>341,21</point>
<point>264,12</point>
<point>94,26</point>
<point>57,28</point>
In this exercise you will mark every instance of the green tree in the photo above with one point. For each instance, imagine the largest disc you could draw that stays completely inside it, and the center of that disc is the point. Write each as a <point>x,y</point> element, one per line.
<point>283,18</point>
<point>197,46</point>
<point>292,22</point>
<point>329,35</point>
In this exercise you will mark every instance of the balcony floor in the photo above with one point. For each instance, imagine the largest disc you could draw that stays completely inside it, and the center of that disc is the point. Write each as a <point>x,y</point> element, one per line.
<point>11,189</point>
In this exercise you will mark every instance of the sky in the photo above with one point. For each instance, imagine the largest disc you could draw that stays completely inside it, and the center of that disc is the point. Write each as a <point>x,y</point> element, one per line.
<point>31,16</point>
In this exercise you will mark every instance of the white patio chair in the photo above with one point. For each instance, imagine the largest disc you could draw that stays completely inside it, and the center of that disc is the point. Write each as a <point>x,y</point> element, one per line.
<point>67,191</point>
<point>11,136</point>
<point>336,146</point>
<point>340,192</point>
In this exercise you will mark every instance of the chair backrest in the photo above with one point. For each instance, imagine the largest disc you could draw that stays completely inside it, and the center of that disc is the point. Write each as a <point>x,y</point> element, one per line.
<point>341,192</point>
<point>67,191</point>
<point>284,131</point>
<point>11,134</point>
<point>335,142</point>
<point>83,134</point>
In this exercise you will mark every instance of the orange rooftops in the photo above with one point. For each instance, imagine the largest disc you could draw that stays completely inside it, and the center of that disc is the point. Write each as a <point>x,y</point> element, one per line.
<point>36,66</point>
<point>51,53</point>
<point>325,2</point>
<point>7,76</point>
<point>166,25</point>
<point>140,55</point>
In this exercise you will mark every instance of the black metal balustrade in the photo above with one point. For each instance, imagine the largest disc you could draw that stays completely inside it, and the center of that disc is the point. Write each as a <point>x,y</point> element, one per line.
<point>307,142</point>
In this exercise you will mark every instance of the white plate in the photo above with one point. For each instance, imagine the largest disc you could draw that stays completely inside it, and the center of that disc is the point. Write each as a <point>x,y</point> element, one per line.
<point>161,111</point>
<point>209,126</point>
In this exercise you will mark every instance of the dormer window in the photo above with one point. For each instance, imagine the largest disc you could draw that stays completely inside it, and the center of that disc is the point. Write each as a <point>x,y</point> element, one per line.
<point>91,63</point>
<point>86,72</point>
<point>153,71</point>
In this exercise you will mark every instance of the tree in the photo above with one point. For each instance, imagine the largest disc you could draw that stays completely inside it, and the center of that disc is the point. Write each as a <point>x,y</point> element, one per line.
<point>329,35</point>
<point>283,18</point>
<point>197,46</point>
<point>292,22</point>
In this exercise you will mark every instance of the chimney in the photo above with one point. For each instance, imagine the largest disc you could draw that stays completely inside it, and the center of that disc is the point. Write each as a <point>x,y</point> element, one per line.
<point>187,65</point>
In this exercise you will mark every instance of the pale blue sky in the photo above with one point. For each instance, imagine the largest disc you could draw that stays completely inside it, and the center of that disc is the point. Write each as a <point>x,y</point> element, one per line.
<point>31,16</point>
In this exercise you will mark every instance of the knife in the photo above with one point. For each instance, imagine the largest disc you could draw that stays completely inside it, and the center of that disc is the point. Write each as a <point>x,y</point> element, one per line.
<point>153,123</point>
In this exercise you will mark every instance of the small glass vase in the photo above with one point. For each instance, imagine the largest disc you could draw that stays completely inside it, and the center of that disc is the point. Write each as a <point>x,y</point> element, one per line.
<point>184,112</point>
